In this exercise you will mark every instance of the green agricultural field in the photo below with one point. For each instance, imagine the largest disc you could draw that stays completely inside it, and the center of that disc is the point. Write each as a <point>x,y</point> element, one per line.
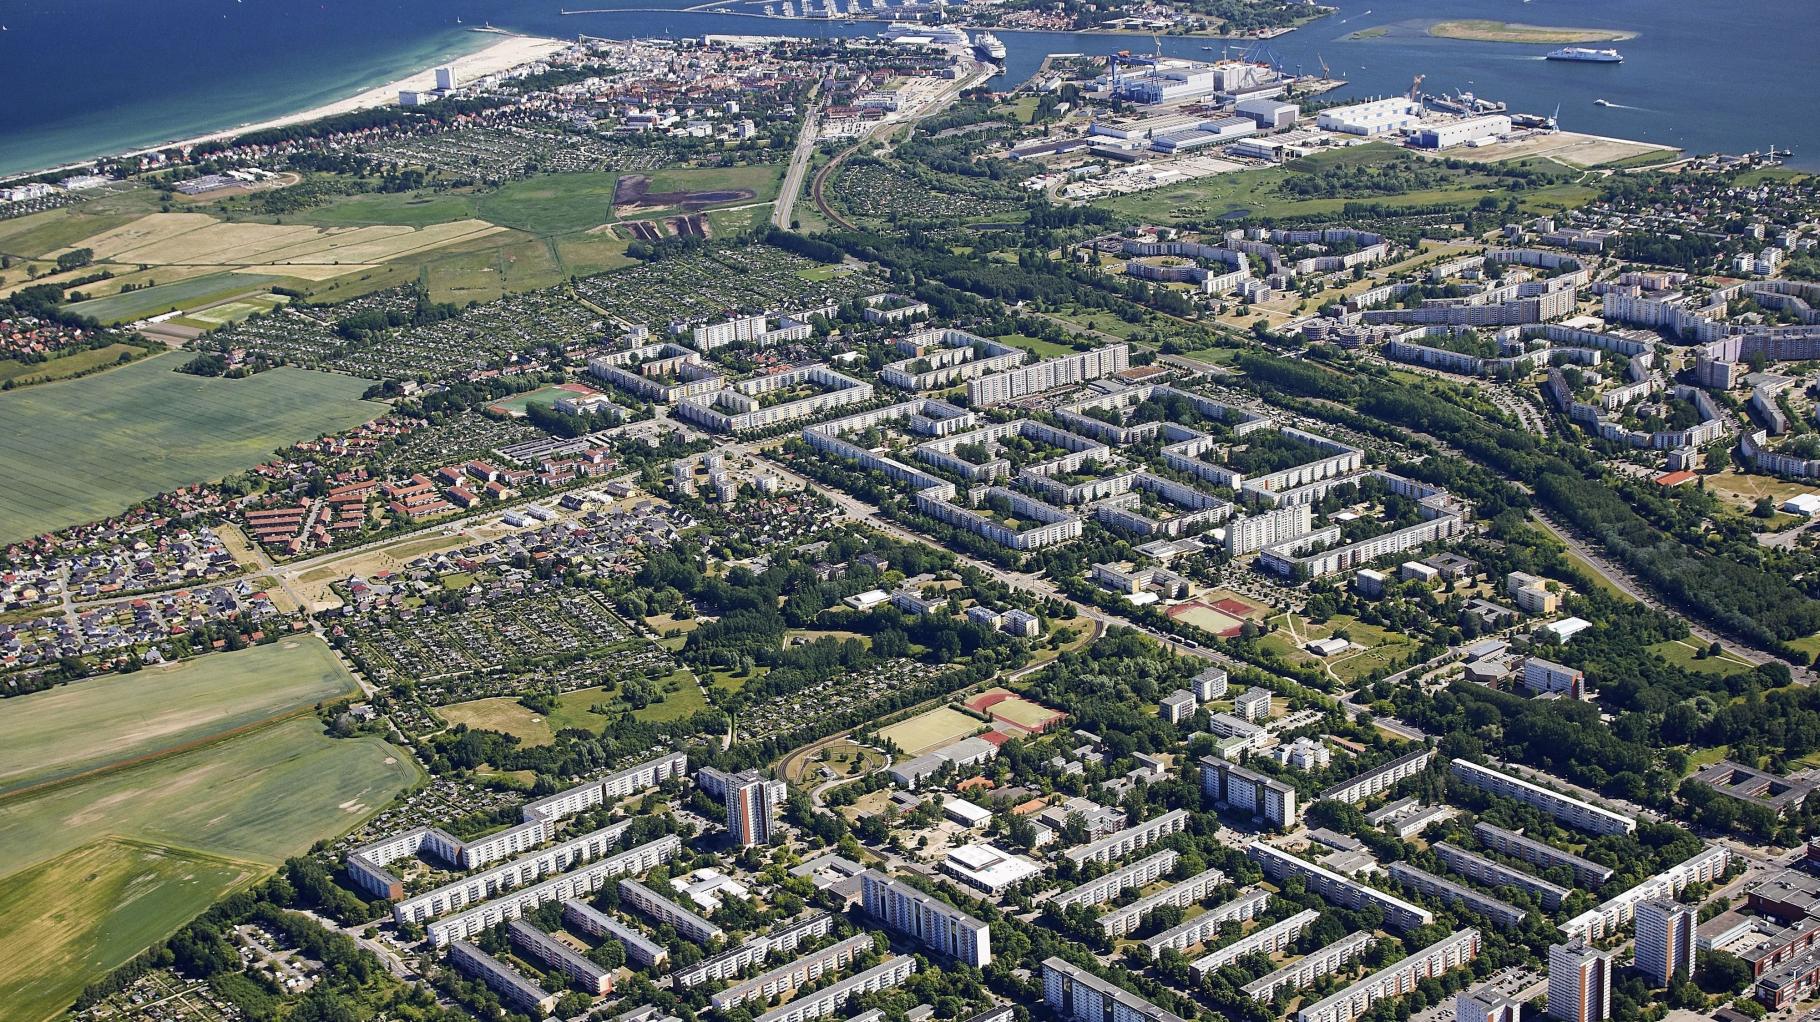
<point>233,312</point>
<point>65,366</point>
<point>135,853</point>
<point>34,236</point>
<point>112,899</point>
<point>162,298</point>
<point>83,449</point>
<point>55,734</point>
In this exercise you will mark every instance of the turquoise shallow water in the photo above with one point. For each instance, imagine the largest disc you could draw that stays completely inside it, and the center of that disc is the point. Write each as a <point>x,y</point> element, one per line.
<point>85,77</point>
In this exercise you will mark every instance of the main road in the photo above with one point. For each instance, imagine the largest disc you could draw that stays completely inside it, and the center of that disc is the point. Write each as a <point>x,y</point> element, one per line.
<point>785,206</point>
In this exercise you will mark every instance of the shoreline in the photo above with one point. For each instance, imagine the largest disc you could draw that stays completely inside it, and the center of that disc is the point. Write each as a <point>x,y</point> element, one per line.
<point>510,51</point>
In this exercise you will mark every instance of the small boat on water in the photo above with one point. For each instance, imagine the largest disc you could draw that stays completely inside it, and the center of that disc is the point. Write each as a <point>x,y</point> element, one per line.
<point>1602,102</point>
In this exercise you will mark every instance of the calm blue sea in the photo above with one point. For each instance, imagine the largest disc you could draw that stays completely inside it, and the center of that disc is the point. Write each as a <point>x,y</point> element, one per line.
<point>79,78</point>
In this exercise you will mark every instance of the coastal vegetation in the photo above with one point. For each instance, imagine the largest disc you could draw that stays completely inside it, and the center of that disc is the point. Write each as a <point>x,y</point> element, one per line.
<point>1485,30</point>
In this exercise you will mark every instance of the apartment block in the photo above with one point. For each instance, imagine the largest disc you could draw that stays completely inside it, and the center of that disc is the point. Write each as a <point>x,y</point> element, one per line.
<point>1501,913</point>
<point>1278,864</point>
<point>1048,375</point>
<point>1450,952</point>
<point>663,910</point>
<point>1569,810</point>
<point>1124,919</point>
<point>829,999</point>
<point>1579,982</point>
<point>1131,839</point>
<point>546,950</point>
<point>750,800</point>
<point>789,976</point>
<point>1486,1004</point>
<point>1077,995</point>
<point>513,988</point>
<point>1704,867</point>
<point>1492,873</point>
<point>1265,940</point>
<point>641,951</point>
<point>1547,677</point>
<point>1310,967</point>
<point>491,883</point>
<point>563,887</point>
<point>736,960</point>
<point>1380,779</point>
<point>1508,842</point>
<point>1109,886</point>
<point>928,920</point>
<point>1188,933</point>
<point>1231,786</point>
<point>1667,945</point>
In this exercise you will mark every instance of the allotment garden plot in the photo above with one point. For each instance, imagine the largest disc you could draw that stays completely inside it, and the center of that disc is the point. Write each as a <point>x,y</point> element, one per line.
<point>550,635</point>
<point>707,284</point>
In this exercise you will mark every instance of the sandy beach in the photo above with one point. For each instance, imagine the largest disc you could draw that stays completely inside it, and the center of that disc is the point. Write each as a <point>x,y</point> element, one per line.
<point>509,52</point>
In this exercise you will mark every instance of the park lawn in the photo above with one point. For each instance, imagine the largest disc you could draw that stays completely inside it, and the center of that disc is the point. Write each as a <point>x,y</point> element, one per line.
<point>68,921</point>
<point>588,255</point>
<point>100,722</point>
<point>1683,654</point>
<point>79,450</point>
<point>102,866</point>
<point>552,204</point>
<point>507,715</point>
<point>63,367</point>
<point>763,180</point>
<point>738,221</point>
<point>405,209</point>
<point>1043,349</point>
<point>686,701</point>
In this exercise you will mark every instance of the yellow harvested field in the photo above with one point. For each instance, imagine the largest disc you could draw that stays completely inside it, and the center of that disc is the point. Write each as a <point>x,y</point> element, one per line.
<point>383,249</point>
<point>312,248</point>
<point>197,240</point>
<point>309,271</point>
<point>146,278</point>
<point>144,231</point>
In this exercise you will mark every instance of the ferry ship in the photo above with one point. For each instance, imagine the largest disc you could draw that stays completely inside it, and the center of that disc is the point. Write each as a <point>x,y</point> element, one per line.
<point>1586,54</point>
<point>989,46</point>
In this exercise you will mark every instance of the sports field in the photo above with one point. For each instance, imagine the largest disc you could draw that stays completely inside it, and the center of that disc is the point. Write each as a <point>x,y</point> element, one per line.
<point>931,730</point>
<point>543,396</point>
<point>1219,613</point>
<point>92,724</point>
<point>79,450</point>
<point>1006,705</point>
<point>136,852</point>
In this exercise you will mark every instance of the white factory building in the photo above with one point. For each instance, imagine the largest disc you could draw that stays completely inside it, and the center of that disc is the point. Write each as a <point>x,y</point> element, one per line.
<point>1378,117</point>
<point>1466,132</point>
